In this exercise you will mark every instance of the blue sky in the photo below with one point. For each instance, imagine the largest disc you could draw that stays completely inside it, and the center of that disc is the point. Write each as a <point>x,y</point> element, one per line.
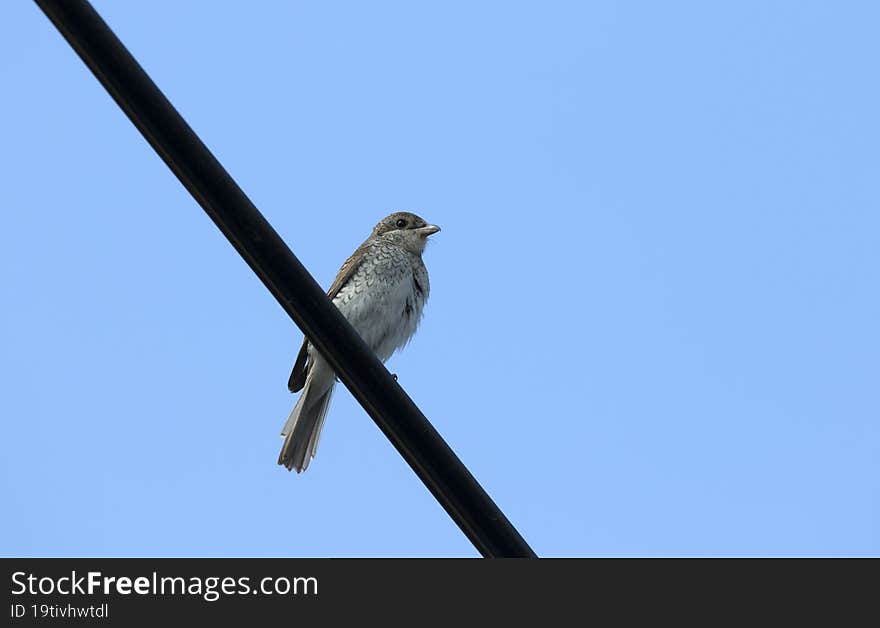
<point>653,327</point>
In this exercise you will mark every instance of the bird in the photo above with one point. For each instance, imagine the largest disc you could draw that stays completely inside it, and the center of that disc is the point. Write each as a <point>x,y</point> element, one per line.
<point>381,290</point>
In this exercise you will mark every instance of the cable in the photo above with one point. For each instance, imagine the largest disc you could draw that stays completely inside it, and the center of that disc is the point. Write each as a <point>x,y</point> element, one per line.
<point>287,279</point>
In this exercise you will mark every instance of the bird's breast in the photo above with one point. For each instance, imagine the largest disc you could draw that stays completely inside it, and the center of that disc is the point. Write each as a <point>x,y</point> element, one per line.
<point>384,299</point>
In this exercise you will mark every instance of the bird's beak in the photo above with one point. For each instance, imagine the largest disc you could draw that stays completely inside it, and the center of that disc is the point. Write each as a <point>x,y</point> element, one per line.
<point>427,230</point>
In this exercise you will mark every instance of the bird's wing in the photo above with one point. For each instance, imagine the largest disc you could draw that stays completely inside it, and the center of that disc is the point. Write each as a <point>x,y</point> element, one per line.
<point>300,370</point>
<point>348,269</point>
<point>301,366</point>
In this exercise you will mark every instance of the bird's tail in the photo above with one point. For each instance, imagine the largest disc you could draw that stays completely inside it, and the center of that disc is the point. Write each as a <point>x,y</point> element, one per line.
<point>303,427</point>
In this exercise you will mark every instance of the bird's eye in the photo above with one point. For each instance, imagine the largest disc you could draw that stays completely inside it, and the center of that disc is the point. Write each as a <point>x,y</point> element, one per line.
<point>401,223</point>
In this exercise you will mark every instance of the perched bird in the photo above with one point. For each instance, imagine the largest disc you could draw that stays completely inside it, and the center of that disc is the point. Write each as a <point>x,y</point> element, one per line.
<point>381,289</point>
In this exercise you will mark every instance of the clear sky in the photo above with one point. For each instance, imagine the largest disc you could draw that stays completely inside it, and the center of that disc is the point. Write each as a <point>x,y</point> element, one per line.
<point>653,327</point>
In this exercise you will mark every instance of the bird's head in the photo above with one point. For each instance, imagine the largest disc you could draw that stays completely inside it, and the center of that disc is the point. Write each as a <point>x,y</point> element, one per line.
<point>406,230</point>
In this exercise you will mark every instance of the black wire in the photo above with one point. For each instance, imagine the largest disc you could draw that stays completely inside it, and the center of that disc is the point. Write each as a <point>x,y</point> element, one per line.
<point>287,279</point>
